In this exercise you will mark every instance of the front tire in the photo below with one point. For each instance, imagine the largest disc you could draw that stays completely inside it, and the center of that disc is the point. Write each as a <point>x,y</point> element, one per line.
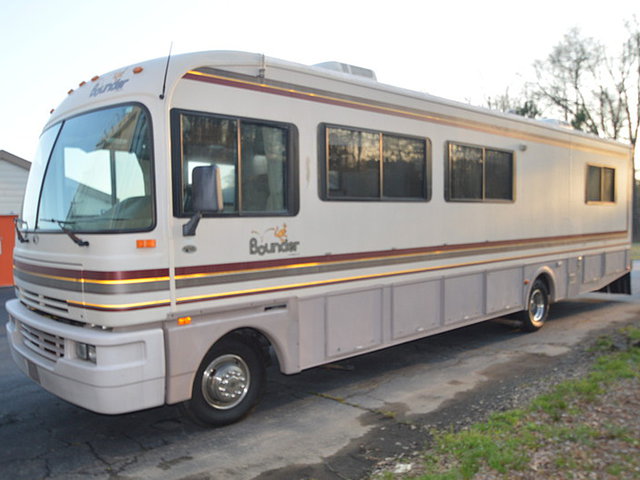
<point>537,311</point>
<point>228,383</point>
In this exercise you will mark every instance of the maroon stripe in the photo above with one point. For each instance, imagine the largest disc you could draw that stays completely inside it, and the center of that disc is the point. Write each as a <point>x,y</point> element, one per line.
<point>294,94</point>
<point>266,264</point>
<point>360,256</point>
<point>91,274</point>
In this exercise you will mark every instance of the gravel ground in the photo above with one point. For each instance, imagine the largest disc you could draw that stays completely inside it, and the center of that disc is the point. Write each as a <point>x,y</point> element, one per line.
<point>614,451</point>
<point>610,451</point>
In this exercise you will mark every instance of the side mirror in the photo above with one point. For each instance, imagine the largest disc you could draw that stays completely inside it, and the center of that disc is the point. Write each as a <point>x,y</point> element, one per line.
<point>206,194</point>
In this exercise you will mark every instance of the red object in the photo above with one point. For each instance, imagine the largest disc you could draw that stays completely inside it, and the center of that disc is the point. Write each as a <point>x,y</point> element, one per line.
<point>7,242</point>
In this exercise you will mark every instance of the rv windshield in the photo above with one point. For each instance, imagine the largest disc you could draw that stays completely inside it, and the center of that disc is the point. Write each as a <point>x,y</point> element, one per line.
<point>99,175</point>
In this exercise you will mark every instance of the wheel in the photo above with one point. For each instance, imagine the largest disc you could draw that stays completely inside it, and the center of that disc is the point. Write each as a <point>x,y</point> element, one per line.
<point>534,317</point>
<point>228,383</point>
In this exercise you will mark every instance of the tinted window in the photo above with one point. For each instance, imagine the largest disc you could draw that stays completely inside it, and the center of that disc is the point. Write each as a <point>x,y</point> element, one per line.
<point>465,165</point>
<point>354,163</point>
<point>479,174</point>
<point>404,167</point>
<point>255,160</point>
<point>362,164</point>
<point>600,184</point>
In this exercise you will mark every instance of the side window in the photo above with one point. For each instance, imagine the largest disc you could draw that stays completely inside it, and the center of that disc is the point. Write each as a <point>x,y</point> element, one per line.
<point>353,164</point>
<point>600,184</point>
<point>479,174</point>
<point>255,159</point>
<point>369,165</point>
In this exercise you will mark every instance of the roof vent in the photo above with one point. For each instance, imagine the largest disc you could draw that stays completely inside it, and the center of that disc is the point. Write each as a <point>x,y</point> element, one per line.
<point>346,68</point>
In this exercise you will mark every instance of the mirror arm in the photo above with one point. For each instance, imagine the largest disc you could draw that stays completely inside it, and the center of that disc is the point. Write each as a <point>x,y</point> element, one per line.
<point>189,228</point>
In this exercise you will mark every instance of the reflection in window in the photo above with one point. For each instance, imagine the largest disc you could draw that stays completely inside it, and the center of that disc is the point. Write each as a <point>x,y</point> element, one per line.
<point>600,184</point>
<point>354,169</point>
<point>498,175</point>
<point>404,167</point>
<point>373,165</point>
<point>100,175</point>
<point>466,172</point>
<point>253,159</point>
<point>480,174</point>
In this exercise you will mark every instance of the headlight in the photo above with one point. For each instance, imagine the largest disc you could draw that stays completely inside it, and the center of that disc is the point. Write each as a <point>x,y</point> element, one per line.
<point>85,351</point>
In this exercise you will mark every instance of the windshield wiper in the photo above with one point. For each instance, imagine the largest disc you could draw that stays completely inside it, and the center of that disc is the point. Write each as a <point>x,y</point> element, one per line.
<point>21,238</point>
<point>72,236</point>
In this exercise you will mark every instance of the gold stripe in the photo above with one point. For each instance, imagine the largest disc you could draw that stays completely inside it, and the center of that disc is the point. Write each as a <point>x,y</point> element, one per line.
<point>320,283</point>
<point>373,276</point>
<point>158,303</point>
<point>430,117</point>
<point>99,282</point>
<point>366,259</point>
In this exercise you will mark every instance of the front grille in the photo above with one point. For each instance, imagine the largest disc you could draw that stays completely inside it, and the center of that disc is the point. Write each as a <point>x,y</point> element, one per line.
<point>37,301</point>
<point>43,343</point>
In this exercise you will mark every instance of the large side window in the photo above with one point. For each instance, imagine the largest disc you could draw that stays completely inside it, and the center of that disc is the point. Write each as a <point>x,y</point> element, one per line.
<point>256,160</point>
<point>479,174</point>
<point>600,184</point>
<point>369,165</point>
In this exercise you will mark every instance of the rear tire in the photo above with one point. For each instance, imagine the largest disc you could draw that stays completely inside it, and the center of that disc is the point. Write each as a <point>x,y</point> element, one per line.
<point>537,308</point>
<point>228,383</point>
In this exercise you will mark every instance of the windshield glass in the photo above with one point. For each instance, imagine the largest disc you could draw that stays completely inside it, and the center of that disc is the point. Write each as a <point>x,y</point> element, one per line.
<point>99,175</point>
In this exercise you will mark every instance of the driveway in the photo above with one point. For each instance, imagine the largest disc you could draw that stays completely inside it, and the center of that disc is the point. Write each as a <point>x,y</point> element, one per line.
<point>332,422</point>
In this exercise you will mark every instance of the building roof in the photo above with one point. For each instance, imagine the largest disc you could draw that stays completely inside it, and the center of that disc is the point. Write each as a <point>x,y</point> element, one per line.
<point>15,160</point>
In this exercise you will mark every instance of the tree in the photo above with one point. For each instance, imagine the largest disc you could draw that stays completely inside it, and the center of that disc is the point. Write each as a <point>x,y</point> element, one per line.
<point>523,105</point>
<point>629,84</point>
<point>591,90</point>
<point>567,78</point>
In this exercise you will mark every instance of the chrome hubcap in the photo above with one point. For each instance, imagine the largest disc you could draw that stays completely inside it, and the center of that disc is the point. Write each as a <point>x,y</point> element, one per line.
<point>225,382</point>
<point>537,306</point>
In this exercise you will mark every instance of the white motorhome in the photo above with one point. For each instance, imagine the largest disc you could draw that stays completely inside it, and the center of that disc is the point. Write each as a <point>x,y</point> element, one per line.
<point>187,219</point>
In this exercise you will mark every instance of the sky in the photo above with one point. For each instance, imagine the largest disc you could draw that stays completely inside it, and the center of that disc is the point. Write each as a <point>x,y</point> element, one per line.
<point>462,50</point>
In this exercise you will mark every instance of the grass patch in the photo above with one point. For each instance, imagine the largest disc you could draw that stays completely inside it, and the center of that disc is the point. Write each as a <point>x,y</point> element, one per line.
<point>507,441</point>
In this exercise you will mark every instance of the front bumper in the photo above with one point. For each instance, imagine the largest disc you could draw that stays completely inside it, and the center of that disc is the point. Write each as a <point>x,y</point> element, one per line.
<point>129,373</point>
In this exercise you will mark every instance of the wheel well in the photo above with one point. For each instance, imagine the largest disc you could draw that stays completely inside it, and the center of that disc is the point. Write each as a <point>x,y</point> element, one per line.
<point>548,282</point>
<point>256,339</point>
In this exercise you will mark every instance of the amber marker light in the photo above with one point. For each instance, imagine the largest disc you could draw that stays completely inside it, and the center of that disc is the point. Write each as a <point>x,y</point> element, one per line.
<point>95,79</point>
<point>148,243</point>
<point>138,70</point>
<point>184,321</point>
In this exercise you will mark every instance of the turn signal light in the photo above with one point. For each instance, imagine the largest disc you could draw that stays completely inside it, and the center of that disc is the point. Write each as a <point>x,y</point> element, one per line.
<point>138,70</point>
<point>184,321</point>
<point>148,243</point>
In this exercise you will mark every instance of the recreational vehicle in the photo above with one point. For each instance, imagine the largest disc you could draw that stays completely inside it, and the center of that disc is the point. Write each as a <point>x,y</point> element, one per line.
<point>188,219</point>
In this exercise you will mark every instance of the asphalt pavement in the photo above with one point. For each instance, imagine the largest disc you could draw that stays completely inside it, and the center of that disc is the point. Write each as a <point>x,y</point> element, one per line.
<point>326,423</point>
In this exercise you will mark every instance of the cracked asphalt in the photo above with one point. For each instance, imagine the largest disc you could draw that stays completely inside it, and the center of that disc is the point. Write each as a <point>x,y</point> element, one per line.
<point>333,422</point>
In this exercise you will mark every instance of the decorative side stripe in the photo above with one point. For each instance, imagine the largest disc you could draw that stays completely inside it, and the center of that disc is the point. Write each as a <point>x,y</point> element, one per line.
<point>209,275</point>
<point>187,277</point>
<point>320,283</point>
<point>335,281</point>
<point>124,307</point>
<point>295,91</point>
<point>111,283</point>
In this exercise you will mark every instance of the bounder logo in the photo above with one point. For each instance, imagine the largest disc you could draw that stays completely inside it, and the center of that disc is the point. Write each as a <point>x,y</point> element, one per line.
<point>272,240</point>
<point>114,86</point>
